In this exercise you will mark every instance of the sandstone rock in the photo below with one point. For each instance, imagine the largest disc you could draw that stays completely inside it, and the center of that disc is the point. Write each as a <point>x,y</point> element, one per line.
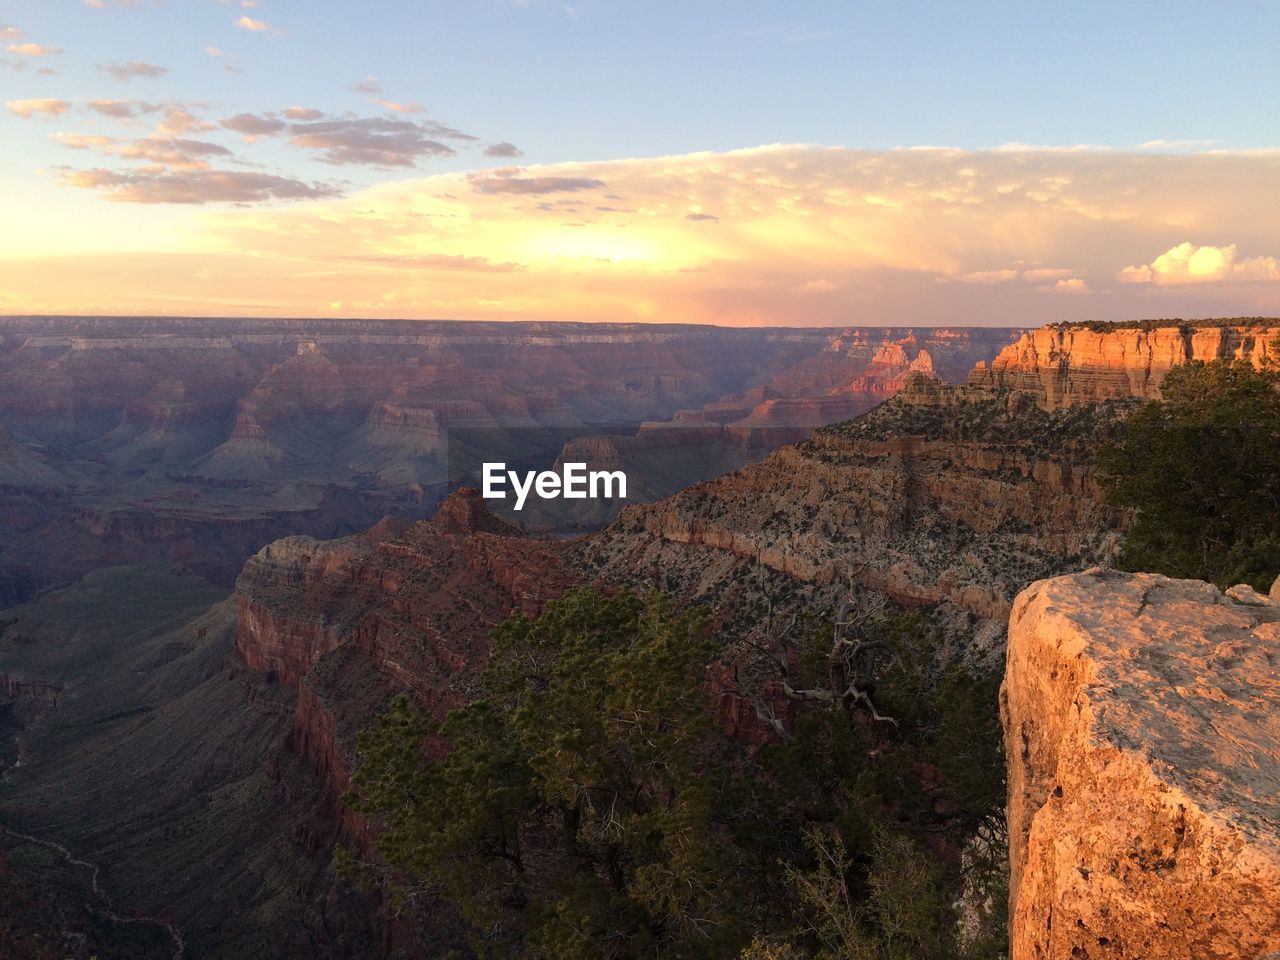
<point>1065,365</point>
<point>1142,724</point>
<point>1275,589</point>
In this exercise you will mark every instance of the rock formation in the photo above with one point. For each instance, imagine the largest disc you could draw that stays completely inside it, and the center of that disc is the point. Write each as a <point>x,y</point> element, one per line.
<point>1142,717</point>
<point>126,440</point>
<point>1078,363</point>
<point>960,504</point>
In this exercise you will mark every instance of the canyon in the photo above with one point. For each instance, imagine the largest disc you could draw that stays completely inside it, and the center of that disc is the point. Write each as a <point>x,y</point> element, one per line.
<point>148,440</point>
<point>797,468</point>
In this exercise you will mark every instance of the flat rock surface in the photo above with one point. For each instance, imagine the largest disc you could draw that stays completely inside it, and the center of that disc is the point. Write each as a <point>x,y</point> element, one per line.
<point>1142,723</point>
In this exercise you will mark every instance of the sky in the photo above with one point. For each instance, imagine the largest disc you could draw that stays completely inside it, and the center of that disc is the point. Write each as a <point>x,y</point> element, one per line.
<point>742,163</point>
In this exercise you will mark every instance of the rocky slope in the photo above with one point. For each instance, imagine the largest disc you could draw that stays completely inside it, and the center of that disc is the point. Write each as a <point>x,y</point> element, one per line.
<point>1081,363</point>
<point>959,503</point>
<point>146,784</point>
<point>399,608</point>
<point>1141,717</point>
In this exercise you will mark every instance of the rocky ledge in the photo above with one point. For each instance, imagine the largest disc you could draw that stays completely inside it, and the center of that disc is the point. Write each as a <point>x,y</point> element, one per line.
<point>1142,720</point>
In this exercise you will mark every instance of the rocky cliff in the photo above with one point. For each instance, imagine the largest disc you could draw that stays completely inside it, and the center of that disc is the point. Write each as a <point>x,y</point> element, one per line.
<point>399,608</point>
<point>1081,363</point>
<point>960,504</point>
<point>1142,717</point>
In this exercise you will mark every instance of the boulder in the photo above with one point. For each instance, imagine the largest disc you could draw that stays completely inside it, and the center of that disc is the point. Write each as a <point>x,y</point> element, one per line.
<point>1142,724</point>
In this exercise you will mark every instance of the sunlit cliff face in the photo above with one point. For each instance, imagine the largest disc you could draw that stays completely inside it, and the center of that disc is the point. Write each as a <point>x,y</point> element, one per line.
<point>796,235</point>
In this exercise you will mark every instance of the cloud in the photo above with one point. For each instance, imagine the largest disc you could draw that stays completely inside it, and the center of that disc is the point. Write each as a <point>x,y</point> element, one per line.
<point>196,186</point>
<point>1187,263</point>
<point>510,182</point>
<point>1071,285</point>
<point>253,26</point>
<point>40,107</point>
<point>179,116</point>
<point>369,85</point>
<point>133,68</point>
<point>437,261</point>
<point>251,125</point>
<point>816,286</point>
<point>697,217</point>
<point>9,32</point>
<point>503,149</point>
<point>413,106</point>
<point>1045,273</point>
<point>1009,275</point>
<point>790,216</point>
<point>375,141</point>
<point>987,276</point>
<point>174,152</point>
<point>119,109</point>
<point>179,119</point>
<point>33,49</point>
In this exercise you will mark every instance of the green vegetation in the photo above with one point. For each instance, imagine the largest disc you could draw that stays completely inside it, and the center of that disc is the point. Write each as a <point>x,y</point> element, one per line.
<point>1206,323</point>
<point>592,804</point>
<point>1202,470</point>
<point>1072,432</point>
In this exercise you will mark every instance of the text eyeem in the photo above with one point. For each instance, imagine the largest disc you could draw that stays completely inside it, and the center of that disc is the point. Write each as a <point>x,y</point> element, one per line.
<point>575,483</point>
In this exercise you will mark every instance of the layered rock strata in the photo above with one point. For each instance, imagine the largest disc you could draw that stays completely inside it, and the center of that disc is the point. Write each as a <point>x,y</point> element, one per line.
<point>399,608</point>
<point>1142,717</point>
<point>1073,363</point>
<point>959,504</point>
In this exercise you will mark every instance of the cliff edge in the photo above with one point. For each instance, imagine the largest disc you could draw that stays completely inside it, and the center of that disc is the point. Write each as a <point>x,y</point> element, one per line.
<point>1067,364</point>
<point>1142,725</point>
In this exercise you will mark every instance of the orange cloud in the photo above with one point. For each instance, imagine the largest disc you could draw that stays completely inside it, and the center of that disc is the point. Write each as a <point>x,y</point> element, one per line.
<point>779,234</point>
<point>33,49</point>
<point>1188,263</point>
<point>248,23</point>
<point>33,108</point>
<point>1073,285</point>
<point>413,106</point>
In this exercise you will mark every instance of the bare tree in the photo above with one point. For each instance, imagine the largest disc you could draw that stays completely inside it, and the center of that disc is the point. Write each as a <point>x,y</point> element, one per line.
<point>856,652</point>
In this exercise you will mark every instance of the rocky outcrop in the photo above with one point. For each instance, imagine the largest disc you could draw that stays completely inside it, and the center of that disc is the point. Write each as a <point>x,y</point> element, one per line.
<point>1142,717</point>
<point>955,504</point>
<point>1076,363</point>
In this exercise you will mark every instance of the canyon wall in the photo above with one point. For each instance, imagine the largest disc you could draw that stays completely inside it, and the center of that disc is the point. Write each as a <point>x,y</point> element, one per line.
<point>1142,717</point>
<point>951,495</point>
<point>401,608</point>
<point>153,440</point>
<point>955,504</point>
<point>1080,363</point>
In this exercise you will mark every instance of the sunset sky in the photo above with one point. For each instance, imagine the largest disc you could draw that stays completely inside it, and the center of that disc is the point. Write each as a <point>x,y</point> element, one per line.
<point>750,163</point>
